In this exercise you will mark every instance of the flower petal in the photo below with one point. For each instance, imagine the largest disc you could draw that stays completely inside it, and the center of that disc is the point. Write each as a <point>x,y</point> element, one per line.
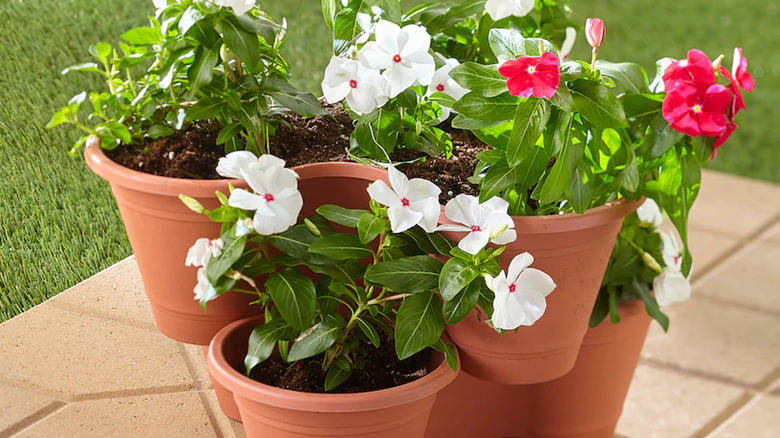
<point>518,265</point>
<point>461,209</point>
<point>230,166</point>
<point>242,199</point>
<point>381,193</point>
<point>474,242</point>
<point>534,279</point>
<point>403,218</point>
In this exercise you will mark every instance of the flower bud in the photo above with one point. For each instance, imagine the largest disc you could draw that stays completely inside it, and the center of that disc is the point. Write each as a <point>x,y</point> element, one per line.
<point>488,280</point>
<point>651,262</point>
<point>595,32</point>
<point>312,228</point>
<point>495,234</point>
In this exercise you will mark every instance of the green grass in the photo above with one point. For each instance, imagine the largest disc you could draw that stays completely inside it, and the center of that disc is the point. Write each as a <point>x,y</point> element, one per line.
<point>58,222</point>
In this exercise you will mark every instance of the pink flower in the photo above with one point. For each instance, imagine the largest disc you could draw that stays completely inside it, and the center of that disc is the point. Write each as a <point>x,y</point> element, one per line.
<point>739,70</point>
<point>696,70</point>
<point>698,111</point>
<point>537,76</point>
<point>738,103</point>
<point>595,32</point>
<point>730,128</point>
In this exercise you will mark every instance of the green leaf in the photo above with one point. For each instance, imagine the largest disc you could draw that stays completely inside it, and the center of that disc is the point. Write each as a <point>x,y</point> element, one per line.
<point>324,335</point>
<point>340,215</point>
<point>628,77</point>
<point>450,353</point>
<point>481,79</point>
<point>263,339</point>
<point>229,132</point>
<point>598,105</point>
<point>369,331</point>
<point>370,226</point>
<point>530,119</point>
<point>329,10</point>
<point>467,123</point>
<point>294,295</point>
<point>407,275</point>
<point>143,36</point>
<point>101,51</point>
<point>418,324</point>
<point>580,189</point>
<point>341,247</point>
<point>494,109</point>
<point>497,179</point>
<point>157,131</point>
<point>288,96</point>
<point>511,44</point>
<point>243,43</point>
<point>462,304</point>
<point>346,28</point>
<point>261,26</point>
<point>88,66</point>
<point>641,105</point>
<point>201,71</point>
<point>442,244</point>
<point>455,276</point>
<point>338,373</point>
<point>660,138</point>
<point>232,250</point>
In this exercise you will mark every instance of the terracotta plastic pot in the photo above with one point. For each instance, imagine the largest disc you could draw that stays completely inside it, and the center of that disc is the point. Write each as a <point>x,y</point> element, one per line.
<point>270,412</point>
<point>161,229</point>
<point>574,250</point>
<point>585,403</point>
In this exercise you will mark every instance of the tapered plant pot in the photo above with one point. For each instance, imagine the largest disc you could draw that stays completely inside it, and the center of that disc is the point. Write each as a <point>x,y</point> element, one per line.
<point>161,229</point>
<point>270,412</point>
<point>585,403</point>
<point>574,250</point>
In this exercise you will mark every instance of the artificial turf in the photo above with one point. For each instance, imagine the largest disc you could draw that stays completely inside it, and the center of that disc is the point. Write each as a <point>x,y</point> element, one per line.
<point>58,222</point>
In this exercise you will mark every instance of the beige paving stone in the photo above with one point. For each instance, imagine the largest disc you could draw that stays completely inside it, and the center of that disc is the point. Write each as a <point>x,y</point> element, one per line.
<point>709,249</point>
<point>195,356</point>
<point>227,426</point>
<point>116,293</point>
<point>717,339</point>
<point>665,404</point>
<point>760,420</point>
<point>179,414</point>
<point>734,205</point>
<point>16,404</point>
<point>71,354</point>
<point>753,279</point>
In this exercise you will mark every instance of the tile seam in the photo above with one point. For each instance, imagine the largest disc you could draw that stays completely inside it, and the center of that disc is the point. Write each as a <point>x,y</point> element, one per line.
<point>100,315</point>
<point>739,305</point>
<point>212,416</point>
<point>713,377</point>
<point>31,420</point>
<point>125,393</point>
<point>727,415</point>
<point>190,367</point>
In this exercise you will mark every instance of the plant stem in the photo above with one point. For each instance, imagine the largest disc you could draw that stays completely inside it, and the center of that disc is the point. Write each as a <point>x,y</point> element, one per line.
<point>376,301</point>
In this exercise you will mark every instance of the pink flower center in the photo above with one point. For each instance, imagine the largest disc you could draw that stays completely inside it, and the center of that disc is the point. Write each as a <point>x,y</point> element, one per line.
<point>268,197</point>
<point>531,69</point>
<point>697,108</point>
<point>475,228</point>
<point>404,202</point>
<point>353,83</point>
<point>440,87</point>
<point>397,58</point>
<point>512,288</point>
<point>676,259</point>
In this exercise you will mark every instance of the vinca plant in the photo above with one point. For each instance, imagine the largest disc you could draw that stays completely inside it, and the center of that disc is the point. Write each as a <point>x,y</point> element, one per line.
<point>394,272</point>
<point>197,61</point>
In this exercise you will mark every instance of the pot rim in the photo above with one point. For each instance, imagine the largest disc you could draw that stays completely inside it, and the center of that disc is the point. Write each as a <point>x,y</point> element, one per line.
<point>161,185</point>
<point>245,387</point>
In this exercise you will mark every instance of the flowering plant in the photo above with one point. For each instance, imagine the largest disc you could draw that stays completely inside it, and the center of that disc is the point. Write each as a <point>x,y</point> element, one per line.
<point>387,275</point>
<point>196,61</point>
<point>571,135</point>
<point>646,264</point>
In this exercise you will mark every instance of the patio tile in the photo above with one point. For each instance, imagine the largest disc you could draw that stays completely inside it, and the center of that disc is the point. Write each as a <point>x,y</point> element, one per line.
<point>733,205</point>
<point>760,420</point>
<point>751,280</point>
<point>115,293</point>
<point>718,340</point>
<point>665,404</point>
<point>230,428</point>
<point>179,414</point>
<point>67,353</point>
<point>195,356</point>
<point>708,249</point>
<point>16,404</point>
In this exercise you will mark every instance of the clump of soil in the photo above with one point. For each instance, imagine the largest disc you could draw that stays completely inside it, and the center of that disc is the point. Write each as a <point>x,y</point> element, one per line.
<point>192,154</point>
<point>382,370</point>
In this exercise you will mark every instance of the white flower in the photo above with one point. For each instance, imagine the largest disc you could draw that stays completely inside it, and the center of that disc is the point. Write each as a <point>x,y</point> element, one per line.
<point>671,286</point>
<point>240,7</point>
<point>498,9</point>
<point>244,226</point>
<point>650,213</point>
<point>658,83</point>
<point>568,43</point>
<point>231,165</point>
<point>486,222</point>
<point>204,287</point>
<point>410,203</point>
<point>276,198</point>
<point>159,4</point>
<point>363,88</point>
<point>520,294</point>
<point>402,54</point>
<point>443,83</point>
<point>202,251</point>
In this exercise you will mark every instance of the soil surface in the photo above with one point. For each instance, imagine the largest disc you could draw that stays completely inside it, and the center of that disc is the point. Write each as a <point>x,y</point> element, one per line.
<point>194,153</point>
<point>382,370</point>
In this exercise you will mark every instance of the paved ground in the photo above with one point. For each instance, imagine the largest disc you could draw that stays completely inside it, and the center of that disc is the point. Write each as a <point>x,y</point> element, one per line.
<point>90,362</point>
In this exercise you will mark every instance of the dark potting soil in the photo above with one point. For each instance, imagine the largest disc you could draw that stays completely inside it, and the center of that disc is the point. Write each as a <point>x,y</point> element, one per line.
<point>382,370</point>
<point>194,153</point>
